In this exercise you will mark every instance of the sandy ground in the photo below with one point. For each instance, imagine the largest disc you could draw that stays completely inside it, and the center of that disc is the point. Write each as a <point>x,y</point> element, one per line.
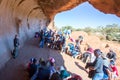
<point>15,69</point>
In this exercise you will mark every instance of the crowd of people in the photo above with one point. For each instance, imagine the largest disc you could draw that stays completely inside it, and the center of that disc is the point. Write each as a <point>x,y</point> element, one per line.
<point>103,67</point>
<point>46,70</point>
<point>100,64</point>
<point>53,39</point>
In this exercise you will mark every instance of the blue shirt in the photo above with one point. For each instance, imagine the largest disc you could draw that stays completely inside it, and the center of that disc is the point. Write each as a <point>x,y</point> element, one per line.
<point>98,65</point>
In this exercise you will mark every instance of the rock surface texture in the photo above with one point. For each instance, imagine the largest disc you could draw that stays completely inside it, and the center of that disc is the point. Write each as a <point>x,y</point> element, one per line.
<point>24,17</point>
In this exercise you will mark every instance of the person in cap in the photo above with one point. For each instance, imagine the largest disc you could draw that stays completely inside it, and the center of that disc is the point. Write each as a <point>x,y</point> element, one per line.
<point>97,65</point>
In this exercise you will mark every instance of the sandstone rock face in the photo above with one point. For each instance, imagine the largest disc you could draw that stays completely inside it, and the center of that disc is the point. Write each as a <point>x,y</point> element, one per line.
<point>107,6</point>
<point>51,7</point>
<point>24,17</point>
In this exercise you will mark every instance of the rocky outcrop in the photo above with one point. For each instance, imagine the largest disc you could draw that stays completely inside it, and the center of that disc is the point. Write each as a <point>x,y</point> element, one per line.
<point>51,7</point>
<point>24,17</point>
<point>107,6</point>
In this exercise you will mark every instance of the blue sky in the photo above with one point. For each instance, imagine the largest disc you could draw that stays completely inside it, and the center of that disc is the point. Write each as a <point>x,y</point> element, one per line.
<point>85,15</point>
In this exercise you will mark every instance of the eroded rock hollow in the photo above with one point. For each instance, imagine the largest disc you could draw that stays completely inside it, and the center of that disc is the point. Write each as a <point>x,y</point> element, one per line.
<point>25,17</point>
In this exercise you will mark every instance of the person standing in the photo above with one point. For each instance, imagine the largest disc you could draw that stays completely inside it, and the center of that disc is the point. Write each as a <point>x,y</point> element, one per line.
<point>16,46</point>
<point>97,65</point>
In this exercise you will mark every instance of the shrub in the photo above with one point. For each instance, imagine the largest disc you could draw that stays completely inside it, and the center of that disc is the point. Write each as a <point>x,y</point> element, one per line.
<point>110,37</point>
<point>101,37</point>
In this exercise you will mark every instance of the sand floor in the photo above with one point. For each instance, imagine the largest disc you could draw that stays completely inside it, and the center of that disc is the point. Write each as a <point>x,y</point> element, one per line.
<point>15,69</point>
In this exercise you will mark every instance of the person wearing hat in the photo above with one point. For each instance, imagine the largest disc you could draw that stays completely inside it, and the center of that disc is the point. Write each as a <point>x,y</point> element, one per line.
<point>97,65</point>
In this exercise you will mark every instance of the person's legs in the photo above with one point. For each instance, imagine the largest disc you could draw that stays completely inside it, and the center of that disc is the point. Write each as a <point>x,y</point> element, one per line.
<point>63,48</point>
<point>15,52</point>
<point>41,44</point>
<point>98,76</point>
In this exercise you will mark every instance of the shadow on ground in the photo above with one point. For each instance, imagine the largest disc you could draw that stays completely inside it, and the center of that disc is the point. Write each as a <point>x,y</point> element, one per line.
<point>15,69</point>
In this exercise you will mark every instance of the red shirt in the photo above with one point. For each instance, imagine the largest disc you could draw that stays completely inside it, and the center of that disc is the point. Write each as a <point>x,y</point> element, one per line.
<point>114,68</point>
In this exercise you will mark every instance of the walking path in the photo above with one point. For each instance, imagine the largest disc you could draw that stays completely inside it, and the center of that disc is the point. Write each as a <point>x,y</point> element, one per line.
<point>15,68</point>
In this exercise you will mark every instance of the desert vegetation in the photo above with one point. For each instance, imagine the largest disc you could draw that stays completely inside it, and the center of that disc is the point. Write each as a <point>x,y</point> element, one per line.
<point>109,32</point>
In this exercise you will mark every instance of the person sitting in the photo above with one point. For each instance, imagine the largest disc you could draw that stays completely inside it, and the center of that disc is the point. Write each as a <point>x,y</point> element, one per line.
<point>40,61</point>
<point>73,50</point>
<point>88,54</point>
<point>51,65</point>
<point>75,53</point>
<point>33,68</point>
<point>63,73</point>
<point>43,73</point>
<point>114,69</point>
<point>37,34</point>
<point>29,63</point>
<point>70,48</point>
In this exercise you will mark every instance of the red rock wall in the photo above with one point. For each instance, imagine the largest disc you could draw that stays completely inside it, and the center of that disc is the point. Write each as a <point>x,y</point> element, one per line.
<point>51,7</point>
<point>107,6</point>
<point>23,17</point>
